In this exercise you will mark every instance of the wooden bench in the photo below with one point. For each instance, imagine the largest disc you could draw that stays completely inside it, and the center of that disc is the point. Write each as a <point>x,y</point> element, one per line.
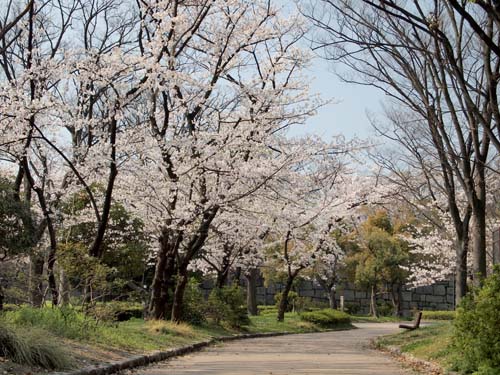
<point>416,323</point>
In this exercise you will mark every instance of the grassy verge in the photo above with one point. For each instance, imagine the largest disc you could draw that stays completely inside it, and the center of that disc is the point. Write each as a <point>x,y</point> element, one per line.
<point>380,319</point>
<point>429,343</point>
<point>83,337</point>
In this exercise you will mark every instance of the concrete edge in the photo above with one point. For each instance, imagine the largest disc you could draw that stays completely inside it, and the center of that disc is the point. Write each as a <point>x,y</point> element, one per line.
<point>146,359</point>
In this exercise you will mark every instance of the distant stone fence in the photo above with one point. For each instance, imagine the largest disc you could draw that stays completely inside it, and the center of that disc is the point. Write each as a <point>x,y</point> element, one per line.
<point>439,296</point>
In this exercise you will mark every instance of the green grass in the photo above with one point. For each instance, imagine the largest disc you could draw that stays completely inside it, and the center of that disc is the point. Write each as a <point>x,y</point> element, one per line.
<point>267,322</point>
<point>438,315</point>
<point>32,347</point>
<point>139,335</point>
<point>428,343</point>
<point>380,319</point>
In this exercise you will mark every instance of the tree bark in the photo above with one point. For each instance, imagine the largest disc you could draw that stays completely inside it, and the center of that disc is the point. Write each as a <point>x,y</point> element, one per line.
<point>461,269</point>
<point>332,297</point>
<point>251,277</point>
<point>36,280</point>
<point>164,271</point>
<point>479,244</point>
<point>179,295</point>
<point>2,296</point>
<point>64,292</point>
<point>284,298</point>
<point>396,299</point>
<point>373,302</point>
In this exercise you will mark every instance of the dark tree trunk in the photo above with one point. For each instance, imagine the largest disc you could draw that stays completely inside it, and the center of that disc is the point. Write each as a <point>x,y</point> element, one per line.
<point>179,295</point>
<point>284,298</point>
<point>251,277</point>
<point>332,297</point>
<point>191,248</point>
<point>236,276</point>
<point>479,245</point>
<point>36,280</point>
<point>163,280</point>
<point>2,296</point>
<point>223,273</point>
<point>396,299</point>
<point>461,270</point>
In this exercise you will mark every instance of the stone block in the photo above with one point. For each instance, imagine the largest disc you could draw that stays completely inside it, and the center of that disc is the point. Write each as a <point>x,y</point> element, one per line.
<point>443,306</point>
<point>439,290</point>
<point>406,296</point>
<point>360,294</point>
<point>261,290</point>
<point>320,293</point>
<point>307,293</point>
<point>434,299</point>
<point>425,290</point>
<point>306,285</point>
<point>348,295</point>
<point>450,298</point>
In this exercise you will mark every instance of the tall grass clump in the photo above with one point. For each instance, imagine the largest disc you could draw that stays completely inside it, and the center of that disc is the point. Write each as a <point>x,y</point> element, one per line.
<point>32,347</point>
<point>64,321</point>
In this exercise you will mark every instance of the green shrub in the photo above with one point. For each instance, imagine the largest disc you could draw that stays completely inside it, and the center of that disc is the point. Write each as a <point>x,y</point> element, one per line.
<point>118,311</point>
<point>385,309</point>
<point>476,338</point>
<point>438,315</point>
<point>352,308</point>
<point>227,305</point>
<point>327,318</point>
<point>194,307</point>
<point>34,347</point>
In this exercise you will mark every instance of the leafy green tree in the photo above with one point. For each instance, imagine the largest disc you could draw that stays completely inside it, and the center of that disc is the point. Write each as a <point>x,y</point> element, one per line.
<point>16,222</point>
<point>124,249</point>
<point>377,264</point>
<point>16,226</point>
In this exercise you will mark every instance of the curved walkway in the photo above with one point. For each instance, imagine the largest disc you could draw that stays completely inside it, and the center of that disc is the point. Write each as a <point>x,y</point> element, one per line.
<point>340,352</point>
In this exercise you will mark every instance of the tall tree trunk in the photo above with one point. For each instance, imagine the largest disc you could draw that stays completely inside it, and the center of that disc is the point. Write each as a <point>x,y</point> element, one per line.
<point>36,280</point>
<point>64,292</point>
<point>179,295</point>
<point>373,302</point>
<point>332,297</point>
<point>284,298</point>
<point>2,296</point>
<point>461,270</point>
<point>163,278</point>
<point>251,277</point>
<point>396,299</point>
<point>479,244</point>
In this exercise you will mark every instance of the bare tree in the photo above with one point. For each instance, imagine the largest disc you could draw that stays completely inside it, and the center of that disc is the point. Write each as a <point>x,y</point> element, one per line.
<point>426,59</point>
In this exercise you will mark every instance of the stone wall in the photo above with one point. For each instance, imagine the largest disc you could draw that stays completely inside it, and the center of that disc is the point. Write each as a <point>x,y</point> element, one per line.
<point>439,296</point>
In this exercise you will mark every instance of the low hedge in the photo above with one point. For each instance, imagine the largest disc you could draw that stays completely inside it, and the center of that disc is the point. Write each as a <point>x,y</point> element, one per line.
<point>327,318</point>
<point>438,315</point>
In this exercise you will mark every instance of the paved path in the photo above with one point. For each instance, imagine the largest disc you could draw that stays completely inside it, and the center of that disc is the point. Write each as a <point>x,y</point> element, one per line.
<point>341,352</point>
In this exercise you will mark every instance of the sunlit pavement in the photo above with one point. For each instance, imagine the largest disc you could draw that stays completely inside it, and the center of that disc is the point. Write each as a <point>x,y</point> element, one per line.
<point>340,352</point>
